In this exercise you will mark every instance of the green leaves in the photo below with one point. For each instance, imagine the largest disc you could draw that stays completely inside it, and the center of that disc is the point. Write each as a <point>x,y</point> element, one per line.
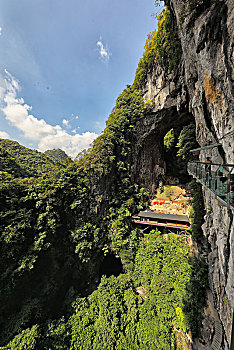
<point>26,340</point>
<point>162,47</point>
<point>186,141</point>
<point>197,211</point>
<point>169,139</point>
<point>23,162</point>
<point>57,222</point>
<point>115,317</point>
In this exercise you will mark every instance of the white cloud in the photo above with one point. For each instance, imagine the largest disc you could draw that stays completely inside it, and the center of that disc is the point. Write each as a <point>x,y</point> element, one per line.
<point>0,30</point>
<point>71,144</point>
<point>103,51</point>
<point>66,123</point>
<point>4,135</point>
<point>17,112</point>
<point>2,87</point>
<point>32,128</point>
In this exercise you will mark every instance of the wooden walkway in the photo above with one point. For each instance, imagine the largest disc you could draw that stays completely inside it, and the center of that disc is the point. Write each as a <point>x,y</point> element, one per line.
<point>151,223</point>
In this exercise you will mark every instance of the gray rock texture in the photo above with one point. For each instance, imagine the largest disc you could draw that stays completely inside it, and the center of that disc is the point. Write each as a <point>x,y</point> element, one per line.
<point>207,45</point>
<point>201,89</point>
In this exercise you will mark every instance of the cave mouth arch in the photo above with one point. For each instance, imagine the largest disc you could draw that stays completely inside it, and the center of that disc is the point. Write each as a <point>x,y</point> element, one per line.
<point>150,163</point>
<point>111,266</point>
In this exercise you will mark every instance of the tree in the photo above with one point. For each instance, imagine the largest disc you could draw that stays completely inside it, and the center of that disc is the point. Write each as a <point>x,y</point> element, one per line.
<point>186,141</point>
<point>169,139</point>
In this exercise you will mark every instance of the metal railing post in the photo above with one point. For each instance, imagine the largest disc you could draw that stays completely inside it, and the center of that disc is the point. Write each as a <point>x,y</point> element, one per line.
<point>219,182</point>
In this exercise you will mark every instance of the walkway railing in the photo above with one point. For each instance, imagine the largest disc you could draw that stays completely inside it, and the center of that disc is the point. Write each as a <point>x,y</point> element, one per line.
<point>218,178</point>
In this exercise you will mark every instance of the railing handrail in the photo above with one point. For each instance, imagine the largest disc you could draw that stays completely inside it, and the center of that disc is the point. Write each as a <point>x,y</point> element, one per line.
<point>205,147</point>
<point>208,163</point>
<point>220,181</point>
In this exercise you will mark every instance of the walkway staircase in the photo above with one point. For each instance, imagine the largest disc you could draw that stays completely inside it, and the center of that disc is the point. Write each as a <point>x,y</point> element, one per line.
<point>217,341</point>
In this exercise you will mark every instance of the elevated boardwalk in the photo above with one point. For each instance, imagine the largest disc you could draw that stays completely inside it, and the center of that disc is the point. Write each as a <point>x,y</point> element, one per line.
<point>150,218</point>
<point>217,178</point>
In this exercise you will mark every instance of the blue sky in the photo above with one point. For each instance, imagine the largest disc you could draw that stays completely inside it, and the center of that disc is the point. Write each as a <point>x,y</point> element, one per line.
<point>62,65</point>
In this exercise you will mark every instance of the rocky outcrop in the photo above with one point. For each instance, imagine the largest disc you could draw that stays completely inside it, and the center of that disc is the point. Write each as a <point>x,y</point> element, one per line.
<point>207,44</point>
<point>169,99</point>
<point>149,166</point>
<point>202,88</point>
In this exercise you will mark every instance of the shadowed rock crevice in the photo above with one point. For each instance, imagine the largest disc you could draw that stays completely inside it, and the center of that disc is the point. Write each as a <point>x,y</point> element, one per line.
<point>111,266</point>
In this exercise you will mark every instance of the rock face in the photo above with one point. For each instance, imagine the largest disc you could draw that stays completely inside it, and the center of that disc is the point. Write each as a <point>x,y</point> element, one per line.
<point>201,89</point>
<point>208,53</point>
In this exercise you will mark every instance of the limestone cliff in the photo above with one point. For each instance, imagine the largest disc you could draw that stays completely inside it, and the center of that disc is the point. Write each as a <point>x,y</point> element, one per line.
<point>201,88</point>
<point>59,249</point>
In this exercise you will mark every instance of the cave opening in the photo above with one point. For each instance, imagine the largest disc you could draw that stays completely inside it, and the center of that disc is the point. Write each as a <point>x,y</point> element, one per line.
<point>153,163</point>
<point>111,266</point>
<point>176,167</point>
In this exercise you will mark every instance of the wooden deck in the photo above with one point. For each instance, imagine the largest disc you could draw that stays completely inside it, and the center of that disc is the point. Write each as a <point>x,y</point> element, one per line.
<point>169,225</point>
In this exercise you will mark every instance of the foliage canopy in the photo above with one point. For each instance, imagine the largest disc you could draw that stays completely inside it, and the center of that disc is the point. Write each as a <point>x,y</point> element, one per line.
<point>57,220</point>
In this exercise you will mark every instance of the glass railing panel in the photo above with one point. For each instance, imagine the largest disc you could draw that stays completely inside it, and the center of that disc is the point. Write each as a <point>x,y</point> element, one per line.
<point>212,181</point>
<point>222,187</point>
<point>231,192</point>
<point>212,176</point>
<point>203,173</point>
<point>232,199</point>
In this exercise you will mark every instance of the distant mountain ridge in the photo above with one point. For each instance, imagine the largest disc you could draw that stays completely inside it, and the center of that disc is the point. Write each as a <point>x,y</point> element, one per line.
<point>20,161</point>
<point>57,155</point>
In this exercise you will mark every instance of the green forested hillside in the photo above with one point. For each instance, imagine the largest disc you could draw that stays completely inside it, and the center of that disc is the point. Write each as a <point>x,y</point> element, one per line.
<point>116,317</point>
<point>56,227</point>
<point>20,161</point>
<point>57,155</point>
